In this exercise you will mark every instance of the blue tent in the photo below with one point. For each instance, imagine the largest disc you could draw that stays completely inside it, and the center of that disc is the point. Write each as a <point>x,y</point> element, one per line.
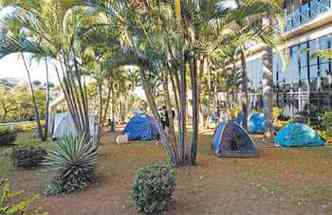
<point>256,123</point>
<point>297,135</point>
<point>240,119</point>
<point>231,140</point>
<point>141,127</point>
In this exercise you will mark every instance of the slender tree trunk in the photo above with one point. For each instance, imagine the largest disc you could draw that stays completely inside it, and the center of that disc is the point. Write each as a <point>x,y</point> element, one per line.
<point>163,136</point>
<point>201,72</point>
<point>183,110</point>
<point>34,102</point>
<point>175,90</point>
<point>171,129</point>
<point>195,120</point>
<point>244,88</point>
<point>100,112</point>
<point>267,89</point>
<point>47,102</point>
<point>109,92</point>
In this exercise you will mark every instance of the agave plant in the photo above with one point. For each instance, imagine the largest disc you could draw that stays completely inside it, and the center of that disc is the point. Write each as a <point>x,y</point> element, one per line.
<point>75,159</point>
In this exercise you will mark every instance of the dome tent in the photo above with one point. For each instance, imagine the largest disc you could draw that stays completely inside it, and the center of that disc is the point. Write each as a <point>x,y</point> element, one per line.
<point>256,123</point>
<point>63,125</point>
<point>141,127</point>
<point>240,118</point>
<point>297,135</point>
<point>231,140</point>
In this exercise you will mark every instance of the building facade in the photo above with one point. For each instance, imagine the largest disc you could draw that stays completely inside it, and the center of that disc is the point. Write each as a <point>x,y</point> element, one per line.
<point>302,80</point>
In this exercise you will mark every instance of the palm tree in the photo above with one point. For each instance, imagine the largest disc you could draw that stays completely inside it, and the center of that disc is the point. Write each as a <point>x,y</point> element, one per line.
<point>167,45</point>
<point>175,41</point>
<point>52,29</point>
<point>268,89</point>
<point>34,102</point>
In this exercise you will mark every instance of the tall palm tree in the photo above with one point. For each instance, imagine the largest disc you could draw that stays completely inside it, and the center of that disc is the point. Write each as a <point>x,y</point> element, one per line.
<point>34,102</point>
<point>165,44</point>
<point>52,29</point>
<point>268,89</point>
<point>164,39</point>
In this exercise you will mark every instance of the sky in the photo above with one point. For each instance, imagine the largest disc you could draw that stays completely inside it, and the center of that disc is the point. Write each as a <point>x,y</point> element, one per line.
<point>12,67</point>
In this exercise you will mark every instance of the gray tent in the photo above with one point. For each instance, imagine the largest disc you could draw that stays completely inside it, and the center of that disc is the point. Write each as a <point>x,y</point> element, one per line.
<point>62,124</point>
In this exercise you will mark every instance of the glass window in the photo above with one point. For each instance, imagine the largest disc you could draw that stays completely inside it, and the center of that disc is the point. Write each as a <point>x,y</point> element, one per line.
<point>303,54</point>
<point>303,73</point>
<point>324,42</point>
<point>324,69</point>
<point>305,13</point>
<point>255,73</point>
<point>313,71</point>
<point>291,73</point>
<point>314,47</point>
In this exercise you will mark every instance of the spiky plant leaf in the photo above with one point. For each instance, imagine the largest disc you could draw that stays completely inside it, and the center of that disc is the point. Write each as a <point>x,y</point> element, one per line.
<point>75,158</point>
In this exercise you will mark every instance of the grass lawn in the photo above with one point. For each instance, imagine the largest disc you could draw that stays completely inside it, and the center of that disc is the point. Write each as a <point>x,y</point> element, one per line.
<point>296,181</point>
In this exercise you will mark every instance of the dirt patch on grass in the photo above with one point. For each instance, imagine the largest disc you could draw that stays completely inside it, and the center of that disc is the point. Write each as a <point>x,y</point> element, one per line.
<point>278,182</point>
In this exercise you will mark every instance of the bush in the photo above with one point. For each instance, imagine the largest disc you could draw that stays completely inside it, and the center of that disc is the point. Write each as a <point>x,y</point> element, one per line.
<point>234,112</point>
<point>153,188</point>
<point>276,113</point>
<point>12,203</point>
<point>75,159</point>
<point>327,121</point>
<point>28,157</point>
<point>327,125</point>
<point>7,135</point>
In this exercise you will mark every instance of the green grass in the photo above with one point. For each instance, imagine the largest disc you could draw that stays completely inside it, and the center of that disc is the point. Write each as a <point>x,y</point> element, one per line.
<point>26,140</point>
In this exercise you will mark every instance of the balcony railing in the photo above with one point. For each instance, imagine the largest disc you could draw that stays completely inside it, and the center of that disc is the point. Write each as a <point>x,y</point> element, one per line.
<point>306,13</point>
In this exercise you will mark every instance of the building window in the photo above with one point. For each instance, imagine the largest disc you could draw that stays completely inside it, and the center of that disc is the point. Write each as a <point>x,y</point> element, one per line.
<point>255,74</point>
<point>299,12</point>
<point>306,82</point>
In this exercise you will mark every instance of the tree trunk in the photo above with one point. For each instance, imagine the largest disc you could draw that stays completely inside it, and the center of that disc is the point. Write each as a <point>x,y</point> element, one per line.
<point>163,136</point>
<point>171,129</point>
<point>183,110</point>
<point>195,120</point>
<point>109,92</point>
<point>34,102</point>
<point>47,102</point>
<point>244,88</point>
<point>100,111</point>
<point>267,89</point>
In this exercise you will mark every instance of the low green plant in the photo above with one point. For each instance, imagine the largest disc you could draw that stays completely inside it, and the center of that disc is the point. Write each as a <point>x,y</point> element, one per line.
<point>75,159</point>
<point>234,112</point>
<point>327,125</point>
<point>327,120</point>
<point>7,135</point>
<point>153,188</point>
<point>276,112</point>
<point>14,203</point>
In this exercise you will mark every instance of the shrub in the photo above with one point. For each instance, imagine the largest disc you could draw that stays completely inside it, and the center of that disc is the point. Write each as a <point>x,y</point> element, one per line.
<point>327,125</point>
<point>234,112</point>
<point>12,203</point>
<point>7,135</point>
<point>153,188</point>
<point>28,157</point>
<point>75,159</point>
<point>276,113</point>
<point>327,121</point>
